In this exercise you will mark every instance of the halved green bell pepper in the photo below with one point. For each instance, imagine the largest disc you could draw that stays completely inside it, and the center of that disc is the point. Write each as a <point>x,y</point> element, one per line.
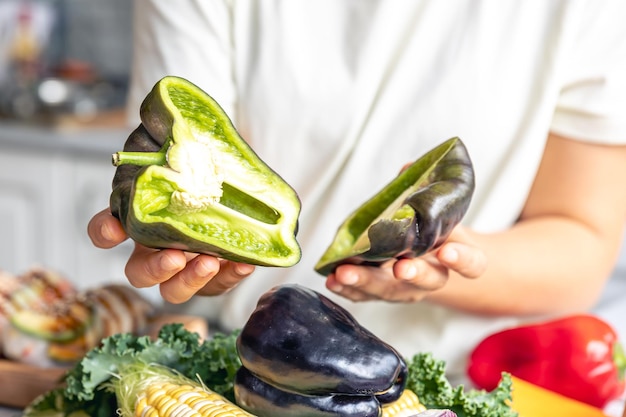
<point>411,215</point>
<point>187,180</point>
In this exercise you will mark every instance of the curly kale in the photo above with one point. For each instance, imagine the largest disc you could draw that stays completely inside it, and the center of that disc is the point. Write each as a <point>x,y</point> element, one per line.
<point>87,389</point>
<point>428,380</point>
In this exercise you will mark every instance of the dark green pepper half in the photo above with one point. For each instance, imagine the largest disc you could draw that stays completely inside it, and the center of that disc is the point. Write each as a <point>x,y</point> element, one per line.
<point>300,341</point>
<point>187,180</point>
<point>265,400</point>
<point>411,215</point>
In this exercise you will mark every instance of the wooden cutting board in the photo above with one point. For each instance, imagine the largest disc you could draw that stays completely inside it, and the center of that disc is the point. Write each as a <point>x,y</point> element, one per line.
<point>20,384</point>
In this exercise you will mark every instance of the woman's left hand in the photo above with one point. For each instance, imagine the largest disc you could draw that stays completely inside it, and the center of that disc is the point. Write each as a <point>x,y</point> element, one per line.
<point>411,280</point>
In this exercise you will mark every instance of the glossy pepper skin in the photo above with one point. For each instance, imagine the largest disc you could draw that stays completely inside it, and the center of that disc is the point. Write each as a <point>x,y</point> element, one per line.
<point>307,351</point>
<point>300,340</point>
<point>411,215</point>
<point>187,180</point>
<point>578,356</point>
<point>266,400</point>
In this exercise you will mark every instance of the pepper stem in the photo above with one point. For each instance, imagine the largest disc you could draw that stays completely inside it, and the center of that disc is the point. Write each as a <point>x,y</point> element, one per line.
<point>142,158</point>
<point>139,158</point>
<point>619,358</point>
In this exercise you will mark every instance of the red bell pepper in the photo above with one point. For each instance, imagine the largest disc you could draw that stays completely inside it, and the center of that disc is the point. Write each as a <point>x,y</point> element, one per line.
<point>577,356</point>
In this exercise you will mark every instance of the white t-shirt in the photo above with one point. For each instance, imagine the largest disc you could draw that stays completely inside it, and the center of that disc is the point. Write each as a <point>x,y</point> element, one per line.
<point>337,96</point>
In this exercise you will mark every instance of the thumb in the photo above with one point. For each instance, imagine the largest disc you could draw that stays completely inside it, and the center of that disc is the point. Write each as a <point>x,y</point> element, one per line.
<point>105,231</point>
<point>469,261</point>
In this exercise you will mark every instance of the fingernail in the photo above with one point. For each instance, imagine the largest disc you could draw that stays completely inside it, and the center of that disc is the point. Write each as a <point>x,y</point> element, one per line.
<point>450,255</point>
<point>106,232</point>
<point>167,263</point>
<point>202,269</point>
<point>410,272</point>
<point>243,269</point>
<point>335,287</point>
<point>349,278</point>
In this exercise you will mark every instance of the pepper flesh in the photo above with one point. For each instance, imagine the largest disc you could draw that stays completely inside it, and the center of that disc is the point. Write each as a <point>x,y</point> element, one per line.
<point>411,215</point>
<point>187,180</point>
<point>578,356</point>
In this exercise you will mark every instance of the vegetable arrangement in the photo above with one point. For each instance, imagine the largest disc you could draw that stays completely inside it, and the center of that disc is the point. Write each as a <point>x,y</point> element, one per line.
<point>187,180</point>
<point>578,356</point>
<point>118,374</point>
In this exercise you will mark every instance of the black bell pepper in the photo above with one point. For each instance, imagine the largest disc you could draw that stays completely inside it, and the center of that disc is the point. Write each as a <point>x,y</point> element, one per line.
<point>396,390</point>
<point>265,400</point>
<point>187,180</point>
<point>411,215</point>
<point>301,342</point>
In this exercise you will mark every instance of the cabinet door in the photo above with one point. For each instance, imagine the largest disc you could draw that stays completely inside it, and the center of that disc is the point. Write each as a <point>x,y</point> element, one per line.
<point>46,202</point>
<point>91,185</point>
<point>26,209</point>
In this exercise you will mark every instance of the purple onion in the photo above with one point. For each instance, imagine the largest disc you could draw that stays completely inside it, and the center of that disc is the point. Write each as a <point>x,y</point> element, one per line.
<point>436,413</point>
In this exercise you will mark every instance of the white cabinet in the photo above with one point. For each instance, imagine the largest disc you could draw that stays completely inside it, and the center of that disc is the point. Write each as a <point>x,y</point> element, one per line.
<point>91,184</point>
<point>26,192</point>
<point>50,186</point>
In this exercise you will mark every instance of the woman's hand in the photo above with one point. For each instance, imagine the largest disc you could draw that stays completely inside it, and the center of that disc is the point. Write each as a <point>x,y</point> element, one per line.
<point>179,274</point>
<point>411,280</point>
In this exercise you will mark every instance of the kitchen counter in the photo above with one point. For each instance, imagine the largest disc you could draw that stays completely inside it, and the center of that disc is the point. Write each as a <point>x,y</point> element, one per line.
<point>74,141</point>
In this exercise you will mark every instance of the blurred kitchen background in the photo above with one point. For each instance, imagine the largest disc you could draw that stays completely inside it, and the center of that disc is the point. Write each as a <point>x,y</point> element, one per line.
<point>63,57</point>
<point>64,67</point>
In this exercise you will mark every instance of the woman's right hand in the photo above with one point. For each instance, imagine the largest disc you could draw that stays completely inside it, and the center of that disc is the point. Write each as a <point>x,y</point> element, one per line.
<point>180,275</point>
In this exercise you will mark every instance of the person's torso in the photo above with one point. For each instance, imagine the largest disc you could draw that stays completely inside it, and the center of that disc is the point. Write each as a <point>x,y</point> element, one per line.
<point>338,96</point>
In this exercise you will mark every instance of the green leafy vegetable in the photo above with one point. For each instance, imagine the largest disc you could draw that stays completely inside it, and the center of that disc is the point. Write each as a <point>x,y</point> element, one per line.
<point>428,380</point>
<point>88,391</point>
<point>56,404</point>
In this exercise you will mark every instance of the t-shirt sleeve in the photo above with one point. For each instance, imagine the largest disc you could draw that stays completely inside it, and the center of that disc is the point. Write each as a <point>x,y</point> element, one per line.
<point>592,102</point>
<point>189,39</point>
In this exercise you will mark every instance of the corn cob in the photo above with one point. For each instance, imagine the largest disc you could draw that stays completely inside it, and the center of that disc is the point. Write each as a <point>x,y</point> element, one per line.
<point>151,390</point>
<point>170,399</point>
<point>406,406</point>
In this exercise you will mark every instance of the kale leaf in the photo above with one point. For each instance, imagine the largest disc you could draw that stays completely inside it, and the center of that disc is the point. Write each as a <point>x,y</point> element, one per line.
<point>428,380</point>
<point>214,361</point>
